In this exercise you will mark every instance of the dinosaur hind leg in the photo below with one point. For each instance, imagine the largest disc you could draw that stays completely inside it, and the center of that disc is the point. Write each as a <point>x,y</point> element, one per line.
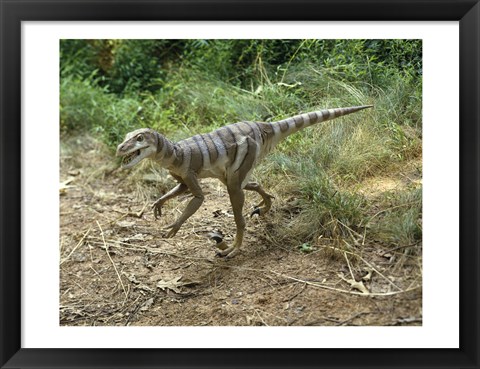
<point>237,198</point>
<point>266,202</point>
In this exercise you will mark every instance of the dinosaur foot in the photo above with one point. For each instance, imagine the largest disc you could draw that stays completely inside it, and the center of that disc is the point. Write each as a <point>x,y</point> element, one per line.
<point>227,252</point>
<point>222,248</point>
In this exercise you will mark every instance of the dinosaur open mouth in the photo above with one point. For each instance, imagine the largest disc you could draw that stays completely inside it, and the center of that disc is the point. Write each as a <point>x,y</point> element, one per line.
<point>128,158</point>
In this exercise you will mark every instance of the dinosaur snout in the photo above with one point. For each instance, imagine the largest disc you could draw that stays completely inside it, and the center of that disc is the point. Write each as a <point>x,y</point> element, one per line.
<point>120,150</point>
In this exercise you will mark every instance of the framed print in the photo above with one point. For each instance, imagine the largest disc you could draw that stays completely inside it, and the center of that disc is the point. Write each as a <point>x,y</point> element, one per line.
<point>355,241</point>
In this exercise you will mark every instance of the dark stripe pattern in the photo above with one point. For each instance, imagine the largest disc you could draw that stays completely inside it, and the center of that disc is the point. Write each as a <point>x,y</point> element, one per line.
<point>241,141</point>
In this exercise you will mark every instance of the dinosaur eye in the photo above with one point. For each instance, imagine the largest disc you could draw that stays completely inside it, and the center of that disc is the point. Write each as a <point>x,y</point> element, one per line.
<point>140,138</point>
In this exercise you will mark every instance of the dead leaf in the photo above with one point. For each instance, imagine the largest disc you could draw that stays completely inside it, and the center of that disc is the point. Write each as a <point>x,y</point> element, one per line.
<point>359,286</point>
<point>64,185</point>
<point>354,284</point>
<point>132,278</point>
<point>137,285</point>
<point>147,304</point>
<point>174,284</point>
<point>368,276</point>
<point>189,282</point>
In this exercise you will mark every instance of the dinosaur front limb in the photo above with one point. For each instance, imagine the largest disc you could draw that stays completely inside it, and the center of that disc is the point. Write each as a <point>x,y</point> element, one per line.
<point>174,192</point>
<point>192,183</point>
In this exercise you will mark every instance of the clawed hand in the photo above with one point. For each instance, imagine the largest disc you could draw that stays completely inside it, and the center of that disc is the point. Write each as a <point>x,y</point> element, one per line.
<point>157,209</point>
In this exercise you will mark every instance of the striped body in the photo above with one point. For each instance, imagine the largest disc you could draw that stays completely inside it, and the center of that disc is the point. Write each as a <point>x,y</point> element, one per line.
<point>235,149</point>
<point>229,153</point>
<point>225,152</point>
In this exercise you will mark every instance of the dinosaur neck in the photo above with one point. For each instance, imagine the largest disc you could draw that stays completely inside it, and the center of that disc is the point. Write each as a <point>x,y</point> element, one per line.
<point>166,151</point>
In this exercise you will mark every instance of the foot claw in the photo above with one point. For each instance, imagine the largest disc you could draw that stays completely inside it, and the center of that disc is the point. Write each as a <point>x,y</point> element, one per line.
<point>227,252</point>
<point>173,230</point>
<point>157,210</point>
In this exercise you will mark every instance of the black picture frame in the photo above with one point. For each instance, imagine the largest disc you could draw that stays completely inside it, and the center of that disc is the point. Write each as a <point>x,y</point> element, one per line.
<point>12,355</point>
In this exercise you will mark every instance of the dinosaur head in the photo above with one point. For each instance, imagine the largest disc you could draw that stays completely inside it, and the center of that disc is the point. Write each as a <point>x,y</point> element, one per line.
<point>138,145</point>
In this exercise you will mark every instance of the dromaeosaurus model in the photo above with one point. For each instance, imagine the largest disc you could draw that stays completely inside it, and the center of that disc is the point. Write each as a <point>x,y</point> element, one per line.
<point>229,153</point>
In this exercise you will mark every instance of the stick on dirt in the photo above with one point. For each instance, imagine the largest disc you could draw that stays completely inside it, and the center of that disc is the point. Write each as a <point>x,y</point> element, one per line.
<point>111,260</point>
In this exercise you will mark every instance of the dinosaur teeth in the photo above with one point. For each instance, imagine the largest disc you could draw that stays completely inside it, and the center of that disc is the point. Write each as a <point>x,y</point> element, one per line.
<point>128,158</point>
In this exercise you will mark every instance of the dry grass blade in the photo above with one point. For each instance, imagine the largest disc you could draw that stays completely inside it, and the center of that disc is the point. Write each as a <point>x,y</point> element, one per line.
<point>349,266</point>
<point>111,260</point>
<point>368,264</point>
<point>128,214</point>
<point>344,291</point>
<point>133,214</point>
<point>261,319</point>
<point>133,247</point>
<point>76,246</point>
<point>390,209</point>
<point>400,247</point>
<point>322,285</point>
<point>353,283</point>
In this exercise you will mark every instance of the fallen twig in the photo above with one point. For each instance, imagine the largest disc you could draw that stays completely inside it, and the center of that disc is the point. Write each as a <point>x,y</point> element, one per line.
<point>111,260</point>
<point>295,295</point>
<point>349,266</point>
<point>345,291</point>
<point>127,246</point>
<point>133,214</point>
<point>366,262</point>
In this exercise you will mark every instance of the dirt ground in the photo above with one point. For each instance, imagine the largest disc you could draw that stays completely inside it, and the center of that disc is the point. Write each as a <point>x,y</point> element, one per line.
<point>116,268</point>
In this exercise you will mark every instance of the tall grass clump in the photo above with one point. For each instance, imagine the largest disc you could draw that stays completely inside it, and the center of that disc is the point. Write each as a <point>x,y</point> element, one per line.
<point>399,223</point>
<point>325,209</point>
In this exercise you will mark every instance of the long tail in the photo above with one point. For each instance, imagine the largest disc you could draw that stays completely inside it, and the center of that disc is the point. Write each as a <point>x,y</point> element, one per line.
<point>290,125</point>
